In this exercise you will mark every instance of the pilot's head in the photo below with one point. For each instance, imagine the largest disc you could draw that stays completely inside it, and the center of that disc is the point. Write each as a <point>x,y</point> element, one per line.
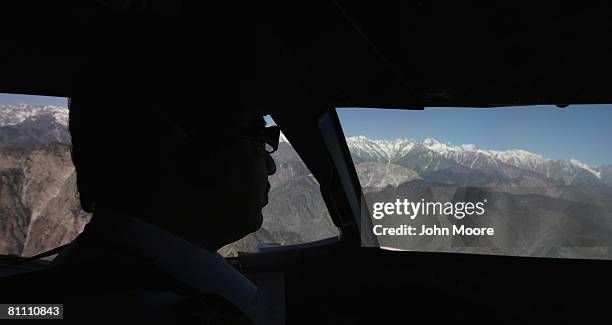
<point>194,168</point>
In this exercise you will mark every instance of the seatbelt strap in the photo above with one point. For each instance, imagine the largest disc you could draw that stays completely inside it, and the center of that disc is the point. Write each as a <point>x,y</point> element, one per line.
<point>53,251</point>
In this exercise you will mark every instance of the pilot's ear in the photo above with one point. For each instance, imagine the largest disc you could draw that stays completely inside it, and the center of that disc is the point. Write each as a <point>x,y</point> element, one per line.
<point>196,168</point>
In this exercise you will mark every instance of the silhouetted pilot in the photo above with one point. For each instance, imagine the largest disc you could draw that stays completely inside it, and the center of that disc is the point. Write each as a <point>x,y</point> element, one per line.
<point>168,184</point>
<point>168,187</point>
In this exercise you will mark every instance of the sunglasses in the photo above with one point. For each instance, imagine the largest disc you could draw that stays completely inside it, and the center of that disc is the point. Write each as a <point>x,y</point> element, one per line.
<point>267,137</point>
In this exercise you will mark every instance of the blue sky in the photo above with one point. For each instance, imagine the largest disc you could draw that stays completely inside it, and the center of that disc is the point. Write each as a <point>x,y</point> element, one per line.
<point>583,132</point>
<point>14,99</point>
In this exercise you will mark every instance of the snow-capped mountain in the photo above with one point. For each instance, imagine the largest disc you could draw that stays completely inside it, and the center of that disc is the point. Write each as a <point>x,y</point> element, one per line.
<point>17,114</point>
<point>365,149</point>
<point>431,155</point>
<point>30,126</point>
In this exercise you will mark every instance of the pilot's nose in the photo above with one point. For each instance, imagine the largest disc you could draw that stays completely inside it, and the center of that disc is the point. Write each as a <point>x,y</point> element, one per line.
<point>270,164</point>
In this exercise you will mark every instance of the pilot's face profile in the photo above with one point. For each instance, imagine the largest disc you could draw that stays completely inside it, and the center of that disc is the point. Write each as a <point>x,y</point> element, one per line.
<point>239,190</point>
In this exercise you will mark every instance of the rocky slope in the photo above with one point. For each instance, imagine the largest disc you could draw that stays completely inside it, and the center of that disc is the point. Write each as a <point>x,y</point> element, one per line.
<point>38,199</point>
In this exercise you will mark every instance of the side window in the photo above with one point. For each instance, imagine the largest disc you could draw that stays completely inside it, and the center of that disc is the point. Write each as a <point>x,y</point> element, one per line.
<point>523,181</point>
<point>296,212</point>
<point>39,208</point>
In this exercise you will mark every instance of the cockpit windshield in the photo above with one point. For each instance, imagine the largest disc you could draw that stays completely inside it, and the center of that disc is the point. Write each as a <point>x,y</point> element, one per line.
<point>524,181</point>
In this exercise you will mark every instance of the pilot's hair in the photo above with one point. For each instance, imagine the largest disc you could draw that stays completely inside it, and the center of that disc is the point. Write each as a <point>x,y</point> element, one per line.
<point>117,118</point>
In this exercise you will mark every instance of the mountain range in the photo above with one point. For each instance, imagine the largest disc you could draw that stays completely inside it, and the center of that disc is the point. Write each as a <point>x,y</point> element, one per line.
<point>537,206</point>
<point>442,162</point>
<point>27,126</point>
<point>17,114</point>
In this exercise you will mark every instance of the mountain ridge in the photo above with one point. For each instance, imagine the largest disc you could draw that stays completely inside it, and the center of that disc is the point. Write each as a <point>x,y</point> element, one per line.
<point>431,155</point>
